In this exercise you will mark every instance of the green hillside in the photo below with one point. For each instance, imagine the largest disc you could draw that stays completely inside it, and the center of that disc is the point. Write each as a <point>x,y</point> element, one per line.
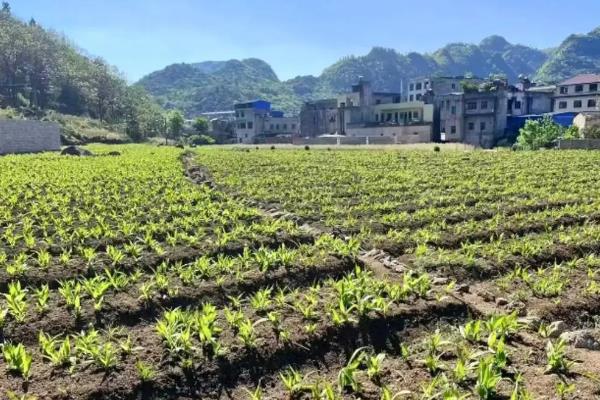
<point>576,55</point>
<point>212,86</point>
<point>43,74</point>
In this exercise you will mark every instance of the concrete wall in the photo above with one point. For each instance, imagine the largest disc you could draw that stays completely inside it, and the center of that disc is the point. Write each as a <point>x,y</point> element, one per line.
<point>398,134</point>
<point>343,140</point>
<point>318,118</point>
<point>23,136</point>
<point>579,144</point>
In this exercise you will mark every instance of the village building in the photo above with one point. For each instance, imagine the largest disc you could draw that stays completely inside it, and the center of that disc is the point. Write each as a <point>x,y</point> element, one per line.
<point>256,122</point>
<point>578,94</point>
<point>419,88</point>
<point>364,113</point>
<point>318,118</point>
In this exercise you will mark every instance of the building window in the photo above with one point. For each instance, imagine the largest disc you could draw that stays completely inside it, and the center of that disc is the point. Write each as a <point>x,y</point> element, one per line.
<point>577,104</point>
<point>376,117</point>
<point>447,103</point>
<point>419,86</point>
<point>443,130</point>
<point>453,129</point>
<point>419,97</point>
<point>564,90</point>
<point>396,117</point>
<point>454,86</point>
<point>415,115</point>
<point>389,117</point>
<point>482,126</point>
<point>378,101</point>
<point>517,105</point>
<point>411,98</point>
<point>591,103</point>
<point>471,126</point>
<point>243,125</point>
<point>250,125</point>
<point>412,86</point>
<point>593,87</point>
<point>285,127</point>
<point>471,105</point>
<point>562,105</point>
<point>578,88</point>
<point>293,127</point>
<point>277,126</point>
<point>242,114</point>
<point>453,110</point>
<point>273,126</point>
<point>484,104</point>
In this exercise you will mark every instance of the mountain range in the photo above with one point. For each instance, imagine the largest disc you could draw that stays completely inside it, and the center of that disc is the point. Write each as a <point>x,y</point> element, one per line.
<point>216,85</point>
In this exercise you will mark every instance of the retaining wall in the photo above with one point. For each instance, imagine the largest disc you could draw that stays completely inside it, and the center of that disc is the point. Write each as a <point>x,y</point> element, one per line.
<point>24,136</point>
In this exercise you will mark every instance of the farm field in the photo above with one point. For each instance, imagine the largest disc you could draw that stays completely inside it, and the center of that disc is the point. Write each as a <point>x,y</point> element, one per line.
<point>507,235</point>
<point>163,273</point>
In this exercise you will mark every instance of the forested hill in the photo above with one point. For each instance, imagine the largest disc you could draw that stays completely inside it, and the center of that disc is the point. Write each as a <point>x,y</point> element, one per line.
<point>212,86</point>
<point>41,70</point>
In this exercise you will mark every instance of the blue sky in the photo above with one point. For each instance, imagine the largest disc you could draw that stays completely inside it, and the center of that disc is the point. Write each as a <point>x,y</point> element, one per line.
<point>296,37</point>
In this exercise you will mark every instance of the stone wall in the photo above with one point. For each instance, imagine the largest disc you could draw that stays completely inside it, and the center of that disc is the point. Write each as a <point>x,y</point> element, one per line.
<point>23,136</point>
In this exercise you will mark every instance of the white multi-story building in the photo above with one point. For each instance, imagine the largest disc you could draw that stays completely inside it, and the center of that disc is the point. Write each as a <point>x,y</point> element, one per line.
<point>578,94</point>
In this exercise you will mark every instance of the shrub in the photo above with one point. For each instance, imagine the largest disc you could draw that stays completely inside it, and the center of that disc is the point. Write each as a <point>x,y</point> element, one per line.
<point>572,132</point>
<point>272,147</point>
<point>539,133</point>
<point>436,149</point>
<point>199,140</point>
<point>592,132</point>
<point>307,147</point>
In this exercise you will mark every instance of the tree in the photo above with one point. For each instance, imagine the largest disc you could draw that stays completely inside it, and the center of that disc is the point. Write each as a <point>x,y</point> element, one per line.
<point>175,123</point>
<point>5,8</point>
<point>201,126</point>
<point>539,133</point>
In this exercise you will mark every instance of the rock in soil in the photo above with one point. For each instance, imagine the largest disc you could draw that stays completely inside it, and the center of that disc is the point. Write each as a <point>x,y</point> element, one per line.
<point>440,281</point>
<point>501,301</point>
<point>75,151</point>
<point>583,339</point>
<point>486,296</point>
<point>556,328</point>
<point>462,288</point>
<point>531,321</point>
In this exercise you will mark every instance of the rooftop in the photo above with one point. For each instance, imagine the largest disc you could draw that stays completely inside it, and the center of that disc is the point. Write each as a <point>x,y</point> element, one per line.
<point>582,79</point>
<point>547,88</point>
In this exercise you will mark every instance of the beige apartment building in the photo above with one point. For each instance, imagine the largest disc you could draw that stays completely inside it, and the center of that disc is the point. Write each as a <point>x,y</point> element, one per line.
<point>578,94</point>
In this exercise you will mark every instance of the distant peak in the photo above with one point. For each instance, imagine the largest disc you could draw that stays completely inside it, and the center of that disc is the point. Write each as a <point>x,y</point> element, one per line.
<point>494,43</point>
